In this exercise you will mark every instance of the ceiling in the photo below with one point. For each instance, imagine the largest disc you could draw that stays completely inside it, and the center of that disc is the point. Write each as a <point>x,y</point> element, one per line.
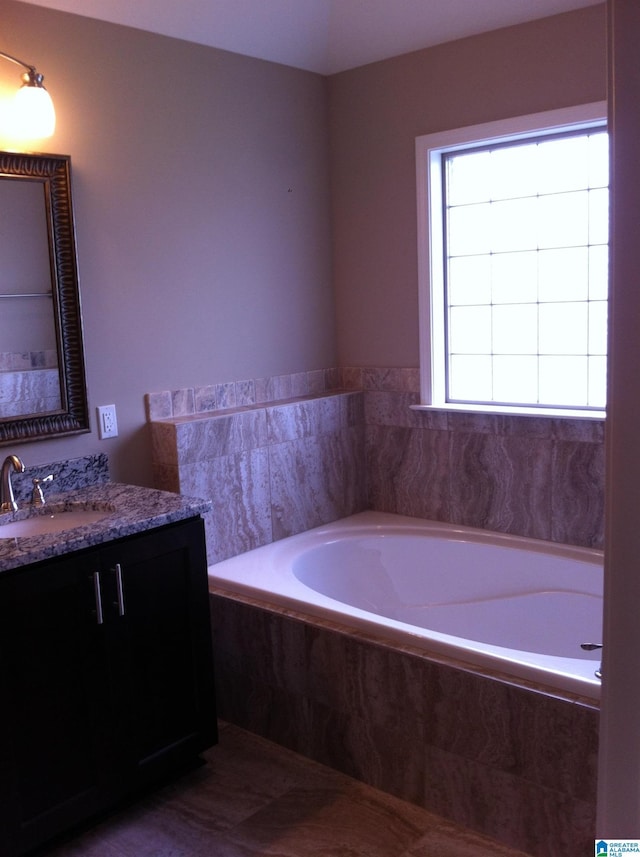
<point>324,36</point>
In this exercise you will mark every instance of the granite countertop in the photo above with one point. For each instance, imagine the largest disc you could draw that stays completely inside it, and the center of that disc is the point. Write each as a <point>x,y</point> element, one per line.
<point>129,509</point>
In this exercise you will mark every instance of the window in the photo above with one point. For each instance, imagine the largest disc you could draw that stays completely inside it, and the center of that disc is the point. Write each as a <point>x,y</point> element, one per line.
<point>513,264</point>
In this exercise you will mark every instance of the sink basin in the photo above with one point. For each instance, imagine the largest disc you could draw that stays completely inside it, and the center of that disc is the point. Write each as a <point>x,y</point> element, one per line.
<point>51,522</point>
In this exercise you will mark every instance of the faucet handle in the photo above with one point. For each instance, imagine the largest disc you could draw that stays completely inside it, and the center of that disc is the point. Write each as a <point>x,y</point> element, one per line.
<point>37,498</point>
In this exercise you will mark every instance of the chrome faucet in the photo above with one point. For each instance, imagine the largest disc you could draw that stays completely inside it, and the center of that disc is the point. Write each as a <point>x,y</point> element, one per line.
<point>11,464</point>
<point>591,647</point>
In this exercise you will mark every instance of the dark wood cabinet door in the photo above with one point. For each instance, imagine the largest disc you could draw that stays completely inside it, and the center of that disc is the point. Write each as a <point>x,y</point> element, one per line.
<point>56,734</point>
<point>156,588</point>
<point>106,675</point>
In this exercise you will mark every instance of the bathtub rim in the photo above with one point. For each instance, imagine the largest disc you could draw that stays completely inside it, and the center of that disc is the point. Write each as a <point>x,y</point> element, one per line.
<point>564,677</point>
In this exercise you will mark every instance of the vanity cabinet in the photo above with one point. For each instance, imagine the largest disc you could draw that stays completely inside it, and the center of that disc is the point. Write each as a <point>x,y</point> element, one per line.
<point>106,678</point>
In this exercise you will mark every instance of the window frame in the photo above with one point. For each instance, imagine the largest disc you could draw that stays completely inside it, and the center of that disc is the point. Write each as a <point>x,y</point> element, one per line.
<point>431,291</point>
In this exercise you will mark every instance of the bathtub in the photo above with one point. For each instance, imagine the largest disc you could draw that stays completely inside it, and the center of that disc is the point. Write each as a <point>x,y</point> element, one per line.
<point>504,605</point>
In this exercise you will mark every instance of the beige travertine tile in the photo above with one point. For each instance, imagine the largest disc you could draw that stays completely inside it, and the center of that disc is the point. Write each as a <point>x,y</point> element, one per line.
<point>447,841</point>
<point>317,822</point>
<point>254,798</point>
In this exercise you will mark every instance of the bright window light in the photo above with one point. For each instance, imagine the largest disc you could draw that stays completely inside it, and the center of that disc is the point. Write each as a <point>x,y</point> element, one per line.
<point>513,261</point>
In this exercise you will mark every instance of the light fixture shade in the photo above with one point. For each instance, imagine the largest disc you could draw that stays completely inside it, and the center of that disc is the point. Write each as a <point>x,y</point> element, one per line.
<point>33,112</point>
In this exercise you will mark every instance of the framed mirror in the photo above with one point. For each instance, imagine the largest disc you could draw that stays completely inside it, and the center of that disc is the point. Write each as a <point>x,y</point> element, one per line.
<point>42,374</point>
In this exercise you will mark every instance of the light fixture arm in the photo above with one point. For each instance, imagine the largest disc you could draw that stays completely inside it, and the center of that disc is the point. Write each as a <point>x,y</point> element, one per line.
<point>33,77</point>
<point>17,61</point>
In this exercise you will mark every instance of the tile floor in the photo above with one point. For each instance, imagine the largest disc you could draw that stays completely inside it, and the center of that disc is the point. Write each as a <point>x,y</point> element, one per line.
<point>255,798</point>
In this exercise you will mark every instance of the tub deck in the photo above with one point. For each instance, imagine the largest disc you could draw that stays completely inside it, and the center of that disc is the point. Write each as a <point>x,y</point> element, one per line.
<point>502,603</point>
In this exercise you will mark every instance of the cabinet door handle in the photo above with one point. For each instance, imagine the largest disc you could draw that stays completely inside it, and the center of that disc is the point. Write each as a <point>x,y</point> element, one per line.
<point>98,594</point>
<point>119,589</point>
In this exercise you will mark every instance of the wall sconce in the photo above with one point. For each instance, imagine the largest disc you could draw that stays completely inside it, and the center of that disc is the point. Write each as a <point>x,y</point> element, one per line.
<point>33,114</point>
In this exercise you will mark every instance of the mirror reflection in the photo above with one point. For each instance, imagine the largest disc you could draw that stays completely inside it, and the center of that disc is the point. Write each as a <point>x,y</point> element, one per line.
<point>29,359</point>
<point>42,387</point>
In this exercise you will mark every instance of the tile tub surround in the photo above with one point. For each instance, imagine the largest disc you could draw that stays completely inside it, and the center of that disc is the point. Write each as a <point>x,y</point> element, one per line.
<point>539,477</point>
<point>269,469</point>
<point>507,761</point>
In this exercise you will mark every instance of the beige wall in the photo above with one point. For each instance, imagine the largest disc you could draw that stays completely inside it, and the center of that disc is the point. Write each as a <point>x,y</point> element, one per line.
<point>201,185</point>
<point>377,111</point>
<point>202,214</point>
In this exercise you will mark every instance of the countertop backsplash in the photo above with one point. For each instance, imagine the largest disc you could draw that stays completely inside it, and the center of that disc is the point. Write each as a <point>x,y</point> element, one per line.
<point>68,475</point>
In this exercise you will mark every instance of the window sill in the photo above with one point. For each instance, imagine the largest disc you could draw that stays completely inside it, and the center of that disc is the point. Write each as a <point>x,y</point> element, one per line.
<point>553,413</point>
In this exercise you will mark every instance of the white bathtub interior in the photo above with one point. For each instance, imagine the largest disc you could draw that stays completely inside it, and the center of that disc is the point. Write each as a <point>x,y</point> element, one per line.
<point>517,606</point>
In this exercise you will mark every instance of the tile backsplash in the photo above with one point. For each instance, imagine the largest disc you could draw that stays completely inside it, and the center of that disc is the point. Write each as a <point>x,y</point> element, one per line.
<point>283,454</point>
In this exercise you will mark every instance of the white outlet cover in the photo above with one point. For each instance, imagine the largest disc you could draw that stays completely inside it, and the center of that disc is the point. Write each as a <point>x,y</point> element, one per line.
<point>107,421</point>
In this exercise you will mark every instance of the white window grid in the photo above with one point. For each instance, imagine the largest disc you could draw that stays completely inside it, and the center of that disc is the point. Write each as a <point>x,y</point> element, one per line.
<point>555,344</point>
<point>525,271</point>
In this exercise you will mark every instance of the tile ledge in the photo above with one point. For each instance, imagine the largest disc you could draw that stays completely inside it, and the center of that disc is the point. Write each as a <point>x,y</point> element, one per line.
<point>255,406</point>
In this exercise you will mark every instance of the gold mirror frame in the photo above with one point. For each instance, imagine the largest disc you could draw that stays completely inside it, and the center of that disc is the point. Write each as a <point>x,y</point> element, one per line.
<point>54,171</point>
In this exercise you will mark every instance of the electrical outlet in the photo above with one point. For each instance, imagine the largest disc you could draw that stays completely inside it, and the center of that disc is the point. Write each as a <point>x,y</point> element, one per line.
<point>107,421</point>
